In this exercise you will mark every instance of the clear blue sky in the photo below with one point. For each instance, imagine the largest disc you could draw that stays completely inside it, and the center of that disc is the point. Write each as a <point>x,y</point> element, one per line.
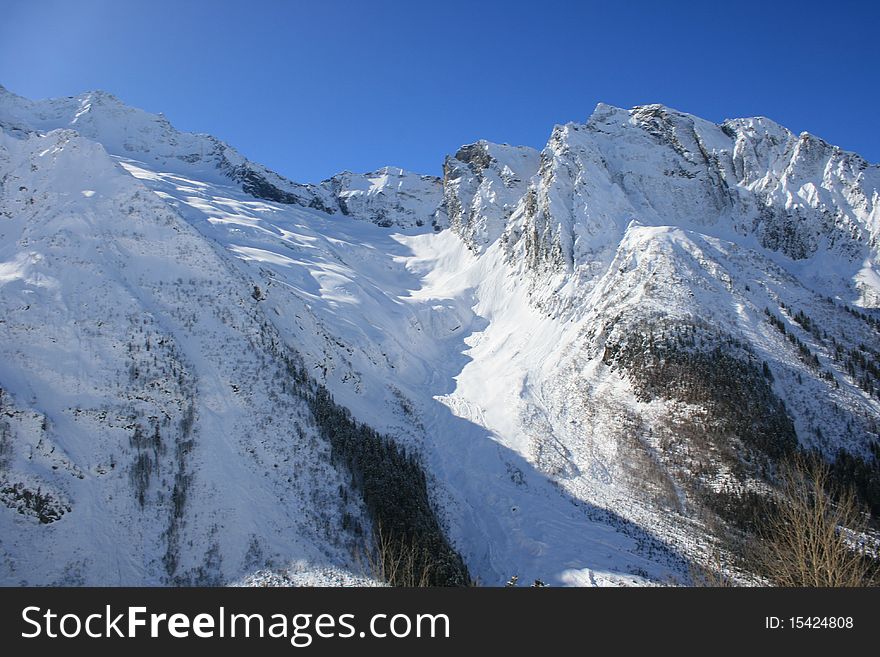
<point>312,88</point>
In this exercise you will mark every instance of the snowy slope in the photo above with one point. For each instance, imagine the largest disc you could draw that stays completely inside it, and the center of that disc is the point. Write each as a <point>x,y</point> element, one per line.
<point>366,309</point>
<point>554,356</point>
<point>141,392</point>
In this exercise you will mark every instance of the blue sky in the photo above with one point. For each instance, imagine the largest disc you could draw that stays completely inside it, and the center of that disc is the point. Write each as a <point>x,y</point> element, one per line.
<point>312,88</point>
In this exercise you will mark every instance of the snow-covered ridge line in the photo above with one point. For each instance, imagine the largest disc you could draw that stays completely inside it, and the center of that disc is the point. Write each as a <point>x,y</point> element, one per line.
<point>796,194</point>
<point>388,196</point>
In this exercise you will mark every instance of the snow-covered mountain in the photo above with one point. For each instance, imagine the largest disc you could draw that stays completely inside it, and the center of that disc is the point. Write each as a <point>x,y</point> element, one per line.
<point>748,181</point>
<point>581,346</point>
<point>389,197</point>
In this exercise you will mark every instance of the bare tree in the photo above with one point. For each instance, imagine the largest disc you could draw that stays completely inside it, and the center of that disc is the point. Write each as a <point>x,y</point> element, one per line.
<point>396,561</point>
<point>803,541</point>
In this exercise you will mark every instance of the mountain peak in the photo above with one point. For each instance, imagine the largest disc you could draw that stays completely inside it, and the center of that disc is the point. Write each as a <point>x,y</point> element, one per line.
<point>603,111</point>
<point>101,95</point>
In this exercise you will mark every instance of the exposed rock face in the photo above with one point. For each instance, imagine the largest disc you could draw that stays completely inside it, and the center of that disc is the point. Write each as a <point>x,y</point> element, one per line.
<point>482,184</point>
